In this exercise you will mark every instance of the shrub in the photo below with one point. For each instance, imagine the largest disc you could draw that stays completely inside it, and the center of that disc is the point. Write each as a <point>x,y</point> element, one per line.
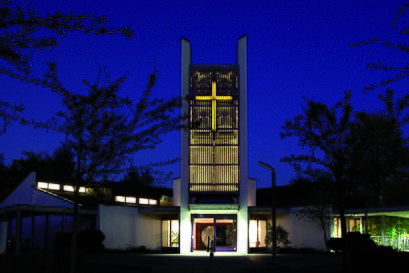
<point>91,240</point>
<point>282,235</point>
<point>48,261</point>
<point>354,239</point>
<point>87,240</point>
<point>62,240</point>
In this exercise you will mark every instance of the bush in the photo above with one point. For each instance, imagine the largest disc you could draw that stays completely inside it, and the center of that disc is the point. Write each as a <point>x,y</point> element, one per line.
<point>300,250</point>
<point>87,240</point>
<point>49,261</point>
<point>354,239</point>
<point>282,235</point>
<point>91,240</point>
<point>377,258</point>
<point>62,240</point>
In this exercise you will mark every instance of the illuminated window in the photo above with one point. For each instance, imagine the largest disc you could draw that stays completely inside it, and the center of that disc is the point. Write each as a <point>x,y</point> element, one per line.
<point>42,185</point>
<point>152,202</point>
<point>68,188</point>
<point>257,233</point>
<point>143,201</point>
<point>170,233</point>
<point>53,186</point>
<point>120,199</point>
<point>131,200</point>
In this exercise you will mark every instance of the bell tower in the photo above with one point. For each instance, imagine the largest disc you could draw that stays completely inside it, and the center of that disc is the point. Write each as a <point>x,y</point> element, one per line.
<point>213,184</point>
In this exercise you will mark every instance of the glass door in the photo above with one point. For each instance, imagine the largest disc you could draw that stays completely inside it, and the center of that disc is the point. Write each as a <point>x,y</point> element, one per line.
<point>220,228</point>
<point>225,230</point>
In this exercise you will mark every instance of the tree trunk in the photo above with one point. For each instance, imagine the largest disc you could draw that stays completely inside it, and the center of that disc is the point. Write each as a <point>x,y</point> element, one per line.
<point>75,218</point>
<point>345,244</point>
<point>324,230</point>
<point>74,231</point>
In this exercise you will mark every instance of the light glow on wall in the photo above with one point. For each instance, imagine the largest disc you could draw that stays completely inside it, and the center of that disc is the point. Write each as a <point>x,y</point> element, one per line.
<point>131,200</point>
<point>53,186</point>
<point>170,233</point>
<point>68,188</point>
<point>257,233</point>
<point>120,199</point>
<point>42,185</point>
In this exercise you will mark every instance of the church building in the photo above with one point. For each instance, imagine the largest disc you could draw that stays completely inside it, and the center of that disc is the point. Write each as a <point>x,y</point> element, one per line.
<point>213,202</point>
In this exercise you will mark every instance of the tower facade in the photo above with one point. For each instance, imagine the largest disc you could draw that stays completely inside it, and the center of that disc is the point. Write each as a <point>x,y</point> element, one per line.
<point>213,185</point>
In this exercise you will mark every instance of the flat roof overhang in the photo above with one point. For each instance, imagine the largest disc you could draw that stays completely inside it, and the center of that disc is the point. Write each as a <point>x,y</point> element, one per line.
<point>401,211</point>
<point>40,210</point>
<point>159,210</point>
<point>268,210</point>
<point>213,208</point>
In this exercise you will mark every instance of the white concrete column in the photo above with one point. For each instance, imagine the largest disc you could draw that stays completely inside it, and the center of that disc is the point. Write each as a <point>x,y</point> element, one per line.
<point>242,219</point>
<point>185,221</point>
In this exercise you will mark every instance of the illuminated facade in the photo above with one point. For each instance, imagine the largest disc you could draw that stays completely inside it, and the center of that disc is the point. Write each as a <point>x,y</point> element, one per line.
<point>213,183</point>
<point>212,199</point>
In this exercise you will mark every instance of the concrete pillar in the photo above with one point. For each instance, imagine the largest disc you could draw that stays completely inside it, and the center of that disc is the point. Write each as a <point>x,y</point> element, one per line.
<point>46,230</point>
<point>383,229</point>
<point>18,230</point>
<point>3,234</point>
<point>32,230</point>
<point>63,222</point>
<point>243,217</point>
<point>185,217</point>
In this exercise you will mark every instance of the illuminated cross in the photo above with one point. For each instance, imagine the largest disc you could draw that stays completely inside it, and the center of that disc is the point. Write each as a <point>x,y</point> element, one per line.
<point>214,98</point>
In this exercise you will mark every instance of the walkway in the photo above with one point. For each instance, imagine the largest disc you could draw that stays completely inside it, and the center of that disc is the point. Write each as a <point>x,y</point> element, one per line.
<point>221,263</point>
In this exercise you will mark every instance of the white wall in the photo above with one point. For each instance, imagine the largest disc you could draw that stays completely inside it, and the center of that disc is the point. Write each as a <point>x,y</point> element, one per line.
<point>303,233</point>
<point>124,227</point>
<point>176,192</point>
<point>251,191</point>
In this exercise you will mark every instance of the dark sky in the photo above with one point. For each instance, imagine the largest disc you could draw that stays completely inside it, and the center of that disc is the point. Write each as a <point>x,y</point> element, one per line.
<point>296,49</point>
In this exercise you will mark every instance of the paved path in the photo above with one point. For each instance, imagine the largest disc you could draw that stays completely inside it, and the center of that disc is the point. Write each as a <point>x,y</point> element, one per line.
<point>221,263</point>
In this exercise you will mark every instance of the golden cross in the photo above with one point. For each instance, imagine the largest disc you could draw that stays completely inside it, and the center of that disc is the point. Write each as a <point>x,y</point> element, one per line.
<point>214,98</point>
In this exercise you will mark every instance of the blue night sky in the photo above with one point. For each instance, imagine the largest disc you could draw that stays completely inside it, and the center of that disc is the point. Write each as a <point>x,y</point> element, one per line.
<point>296,49</point>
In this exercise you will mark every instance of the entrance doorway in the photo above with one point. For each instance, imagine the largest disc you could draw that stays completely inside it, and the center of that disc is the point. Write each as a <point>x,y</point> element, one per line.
<point>220,228</point>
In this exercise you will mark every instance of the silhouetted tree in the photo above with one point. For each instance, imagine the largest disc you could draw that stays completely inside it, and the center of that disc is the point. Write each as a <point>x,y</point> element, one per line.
<point>56,167</point>
<point>319,189</point>
<point>398,72</point>
<point>103,129</point>
<point>24,31</point>
<point>139,177</point>
<point>346,146</point>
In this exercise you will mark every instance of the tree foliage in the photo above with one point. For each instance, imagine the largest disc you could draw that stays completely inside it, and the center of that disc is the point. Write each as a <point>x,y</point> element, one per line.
<point>56,167</point>
<point>357,151</point>
<point>103,129</point>
<point>24,31</point>
<point>398,72</point>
